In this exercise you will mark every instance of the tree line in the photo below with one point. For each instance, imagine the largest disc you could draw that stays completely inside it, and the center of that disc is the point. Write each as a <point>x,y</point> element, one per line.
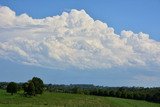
<point>36,86</point>
<point>30,88</point>
<point>137,93</point>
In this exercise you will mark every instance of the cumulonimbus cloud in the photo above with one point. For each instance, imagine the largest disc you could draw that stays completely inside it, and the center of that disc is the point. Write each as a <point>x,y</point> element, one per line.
<point>73,40</point>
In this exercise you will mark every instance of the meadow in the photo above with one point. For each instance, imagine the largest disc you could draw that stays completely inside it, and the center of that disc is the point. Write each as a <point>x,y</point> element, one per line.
<point>50,99</point>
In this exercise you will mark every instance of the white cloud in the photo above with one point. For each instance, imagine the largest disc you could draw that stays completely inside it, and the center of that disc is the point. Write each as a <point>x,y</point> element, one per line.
<point>73,40</point>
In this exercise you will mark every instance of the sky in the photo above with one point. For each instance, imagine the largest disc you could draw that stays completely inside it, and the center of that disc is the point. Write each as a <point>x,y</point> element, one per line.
<point>107,42</point>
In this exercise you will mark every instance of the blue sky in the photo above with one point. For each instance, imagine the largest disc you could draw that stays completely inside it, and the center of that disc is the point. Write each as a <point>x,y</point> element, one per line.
<point>135,15</point>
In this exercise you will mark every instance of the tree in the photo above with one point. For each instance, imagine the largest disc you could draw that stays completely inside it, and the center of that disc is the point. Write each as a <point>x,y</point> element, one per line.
<point>25,87</point>
<point>156,97</point>
<point>38,83</point>
<point>112,93</point>
<point>12,88</point>
<point>31,88</point>
<point>77,90</point>
<point>118,93</point>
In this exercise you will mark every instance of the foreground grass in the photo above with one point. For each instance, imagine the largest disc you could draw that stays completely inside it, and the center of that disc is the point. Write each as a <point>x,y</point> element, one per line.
<point>68,100</point>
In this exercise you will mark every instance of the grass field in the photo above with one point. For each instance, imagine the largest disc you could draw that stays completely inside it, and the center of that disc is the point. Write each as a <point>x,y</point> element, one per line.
<point>68,100</point>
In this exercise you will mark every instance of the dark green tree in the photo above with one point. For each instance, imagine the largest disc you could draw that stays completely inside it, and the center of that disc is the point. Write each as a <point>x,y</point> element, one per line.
<point>25,87</point>
<point>30,88</point>
<point>33,87</point>
<point>112,93</point>
<point>77,90</point>
<point>12,88</point>
<point>38,83</point>
<point>156,97</point>
<point>118,93</point>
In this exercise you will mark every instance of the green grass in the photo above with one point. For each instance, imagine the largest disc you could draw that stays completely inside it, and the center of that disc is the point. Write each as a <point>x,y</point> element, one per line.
<point>68,100</point>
